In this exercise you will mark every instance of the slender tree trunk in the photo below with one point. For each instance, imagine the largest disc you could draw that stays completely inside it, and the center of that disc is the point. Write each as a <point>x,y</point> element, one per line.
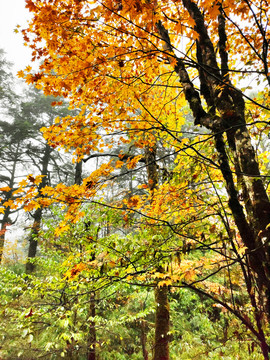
<point>71,351</point>
<point>162,326</point>
<point>33,242</point>
<point>162,322</point>
<point>78,173</point>
<point>6,217</point>
<point>3,228</point>
<point>92,338</point>
<point>4,223</point>
<point>144,340</point>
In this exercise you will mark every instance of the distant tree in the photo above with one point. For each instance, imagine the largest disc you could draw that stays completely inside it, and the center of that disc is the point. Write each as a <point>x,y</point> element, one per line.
<point>23,150</point>
<point>13,136</point>
<point>45,161</point>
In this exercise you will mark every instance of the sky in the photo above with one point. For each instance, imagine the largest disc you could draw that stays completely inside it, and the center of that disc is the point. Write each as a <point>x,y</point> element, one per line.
<point>13,13</point>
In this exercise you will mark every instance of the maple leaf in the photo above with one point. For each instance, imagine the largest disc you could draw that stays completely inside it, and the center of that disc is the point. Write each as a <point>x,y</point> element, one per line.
<point>20,74</point>
<point>5,189</point>
<point>214,11</point>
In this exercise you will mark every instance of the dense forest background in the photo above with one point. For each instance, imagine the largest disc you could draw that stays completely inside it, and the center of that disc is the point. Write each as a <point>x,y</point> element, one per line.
<point>134,183</point>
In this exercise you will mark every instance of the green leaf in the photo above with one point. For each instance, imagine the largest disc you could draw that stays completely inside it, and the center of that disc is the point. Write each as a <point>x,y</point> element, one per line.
<point>25,332</point>
<point>30,338</point>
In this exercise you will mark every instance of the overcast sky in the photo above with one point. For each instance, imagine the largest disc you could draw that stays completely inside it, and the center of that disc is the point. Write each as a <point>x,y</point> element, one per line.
<point>13,13</point>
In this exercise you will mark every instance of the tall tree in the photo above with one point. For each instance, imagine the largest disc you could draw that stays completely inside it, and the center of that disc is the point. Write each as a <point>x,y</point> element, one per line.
<point>38,110</point>
<point>9,150</point>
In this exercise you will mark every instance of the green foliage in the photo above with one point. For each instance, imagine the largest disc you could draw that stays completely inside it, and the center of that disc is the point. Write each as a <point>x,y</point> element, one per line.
<point>202,330</point>
<point>45,316</point>
<point>48,314</point>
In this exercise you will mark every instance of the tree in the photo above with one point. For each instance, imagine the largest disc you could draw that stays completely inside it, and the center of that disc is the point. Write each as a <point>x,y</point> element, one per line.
<point>38,110</point>
<point>23,149</point>
<point>13,142</point>
<point>14,135</point>
<point>131,67</point>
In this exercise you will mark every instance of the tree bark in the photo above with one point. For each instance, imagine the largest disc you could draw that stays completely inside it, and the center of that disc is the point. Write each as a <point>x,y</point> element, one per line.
<point>3,228</point>
<point>78,173</point>
<point>162,321</point>
<point>144,340</point>
<point>6,217</point>
<point>92,337</point>
<point>33,242</point>
<point>162,325</point>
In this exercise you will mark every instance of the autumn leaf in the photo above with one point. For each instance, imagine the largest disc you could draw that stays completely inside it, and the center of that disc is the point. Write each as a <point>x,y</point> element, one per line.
<point>5,189</point>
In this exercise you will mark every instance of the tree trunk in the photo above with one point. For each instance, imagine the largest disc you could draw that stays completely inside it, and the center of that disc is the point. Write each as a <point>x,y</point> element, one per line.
<point>162,327</point>
<point>32,250</point>
<point>162,322</point>
<point>71,351</point>
<point>78,173</point>
<point>92,337</point>
<point>6,217</point>
<point>144,340</point>
<point>3,229</point>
